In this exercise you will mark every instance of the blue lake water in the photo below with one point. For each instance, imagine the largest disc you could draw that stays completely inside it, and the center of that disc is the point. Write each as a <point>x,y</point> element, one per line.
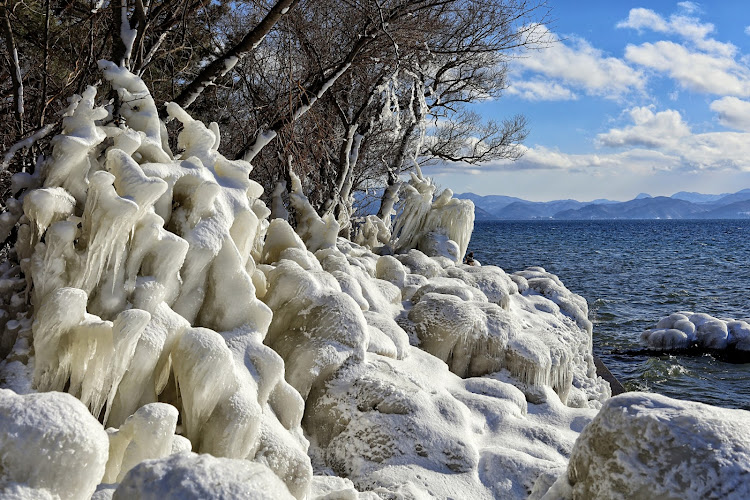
<point>633,273</point>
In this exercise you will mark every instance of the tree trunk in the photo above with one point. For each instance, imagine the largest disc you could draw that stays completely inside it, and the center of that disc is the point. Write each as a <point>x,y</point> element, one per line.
<point>15,67</point>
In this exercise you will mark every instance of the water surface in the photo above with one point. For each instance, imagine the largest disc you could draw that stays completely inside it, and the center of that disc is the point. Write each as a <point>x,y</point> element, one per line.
<point>633,273</point>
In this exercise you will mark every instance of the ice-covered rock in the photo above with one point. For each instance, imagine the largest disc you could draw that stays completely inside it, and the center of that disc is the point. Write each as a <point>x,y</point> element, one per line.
<point>200,477</point>
<point>528,335</point>
<point>650,446</point>
<point>50,447</point>
<point>428,224</point>
<point>682,330</point>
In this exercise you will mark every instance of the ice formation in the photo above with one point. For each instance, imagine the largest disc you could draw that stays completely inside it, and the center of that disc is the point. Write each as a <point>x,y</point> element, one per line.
<point>650,446</point>
<point>682,330</point>
<point>161,292</point>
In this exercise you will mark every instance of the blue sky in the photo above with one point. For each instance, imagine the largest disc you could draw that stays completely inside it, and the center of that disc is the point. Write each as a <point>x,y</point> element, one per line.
<point>649,96</point>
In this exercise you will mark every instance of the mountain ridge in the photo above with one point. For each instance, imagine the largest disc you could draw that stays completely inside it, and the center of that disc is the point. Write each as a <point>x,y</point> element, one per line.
<point>681,205</point>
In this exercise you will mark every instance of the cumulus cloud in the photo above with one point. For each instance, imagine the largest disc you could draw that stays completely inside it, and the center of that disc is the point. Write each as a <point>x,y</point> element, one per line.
<point>574,65</point>
<point>649,129</point>
<point>733,113</point>
<point>667,133</point>
<point>652,141</point>
<point>540,90</point>
<point>685,26</point>
<point>747,30</point>
<point>694,70</point>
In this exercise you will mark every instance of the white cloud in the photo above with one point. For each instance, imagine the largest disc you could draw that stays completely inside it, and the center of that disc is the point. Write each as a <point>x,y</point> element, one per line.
<point>667,133</point>
<point>540,90</point>
<point>652,142</point>
<point>686,26</point>
<point>733,113</point>
<point>690,7</point>
<point>576,64</point>
<point>694,70</point>
<point>649,129</point>
<point>747,30</point>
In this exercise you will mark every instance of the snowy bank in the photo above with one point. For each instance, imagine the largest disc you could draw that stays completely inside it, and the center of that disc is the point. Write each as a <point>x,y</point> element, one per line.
<point>200,339</point>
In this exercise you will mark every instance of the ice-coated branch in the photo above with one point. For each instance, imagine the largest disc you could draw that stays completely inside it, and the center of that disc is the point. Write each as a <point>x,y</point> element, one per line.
<point>223,64</point>
<point>306,101</point>
<point>25,143</point>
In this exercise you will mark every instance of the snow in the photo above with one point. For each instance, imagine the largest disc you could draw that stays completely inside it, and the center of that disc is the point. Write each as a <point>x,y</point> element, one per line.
<point>230,354</point>
<point>685,329</point>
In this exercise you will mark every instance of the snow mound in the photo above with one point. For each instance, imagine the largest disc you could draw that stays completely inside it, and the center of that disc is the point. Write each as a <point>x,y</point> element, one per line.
<point>200,477</point>
<point>49,444</point>
<point>650,446</point>
<point>682,330</point>
<point>406,427</point>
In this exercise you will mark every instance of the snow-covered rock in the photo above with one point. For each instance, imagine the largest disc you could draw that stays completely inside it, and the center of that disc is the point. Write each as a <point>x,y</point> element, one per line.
<point>50,447</point>
<point>190,476</point>
<point>682,330</point>
<point>650,446</point>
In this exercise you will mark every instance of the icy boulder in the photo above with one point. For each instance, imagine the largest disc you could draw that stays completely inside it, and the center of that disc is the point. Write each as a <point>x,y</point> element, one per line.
<point>429,224</point>
<point>535,280</point>
<point>682,330</point>
<point>148,433</point>
<point>530,337</point>
<point>472,337</point>
<point>200,477</point>
<point>650,446</point>
<point>49,445</point>
<point>491,280</point>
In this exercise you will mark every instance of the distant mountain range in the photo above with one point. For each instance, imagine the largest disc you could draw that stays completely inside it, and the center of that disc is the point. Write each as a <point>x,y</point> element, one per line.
<point>682,205</point>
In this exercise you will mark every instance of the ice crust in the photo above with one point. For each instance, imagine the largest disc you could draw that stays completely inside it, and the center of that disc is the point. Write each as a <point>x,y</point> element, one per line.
<point>685,329</point>
<point>229,354</point>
